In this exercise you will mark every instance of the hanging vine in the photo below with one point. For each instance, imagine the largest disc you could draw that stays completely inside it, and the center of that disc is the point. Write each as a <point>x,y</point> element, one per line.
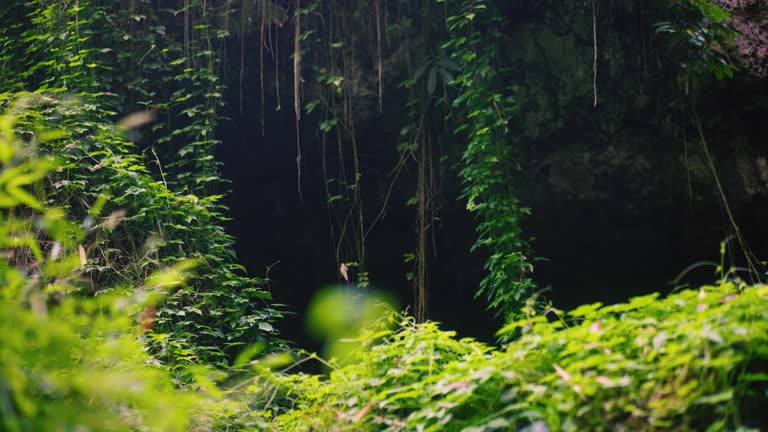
<point>488,105</point>
<point>296,95</point>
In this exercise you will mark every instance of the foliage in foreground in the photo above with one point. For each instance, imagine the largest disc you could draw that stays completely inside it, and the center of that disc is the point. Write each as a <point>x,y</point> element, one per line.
<point>68,363</point>
<point>79,366</point>
<point>696,360</point>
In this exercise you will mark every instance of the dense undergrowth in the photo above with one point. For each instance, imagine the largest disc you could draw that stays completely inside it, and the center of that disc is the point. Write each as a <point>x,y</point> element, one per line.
<point>155,167</point>
<point>68,362</point>
<point>106,326</point>
<point>695,360</point>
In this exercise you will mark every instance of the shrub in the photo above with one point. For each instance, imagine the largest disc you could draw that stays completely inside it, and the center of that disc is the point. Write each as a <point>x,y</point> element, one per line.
<point>695,360</point>
<point>68,362</point>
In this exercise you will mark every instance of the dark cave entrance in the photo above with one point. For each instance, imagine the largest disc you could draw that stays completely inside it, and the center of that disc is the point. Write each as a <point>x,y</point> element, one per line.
<point>288,239</point>
<point>593,250</point>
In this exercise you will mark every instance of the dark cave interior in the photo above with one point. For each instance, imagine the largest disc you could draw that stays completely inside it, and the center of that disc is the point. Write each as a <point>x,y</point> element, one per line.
<point>607,249</point>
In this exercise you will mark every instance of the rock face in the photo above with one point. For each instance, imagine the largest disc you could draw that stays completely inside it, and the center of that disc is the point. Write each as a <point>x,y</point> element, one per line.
<point>625,189</point>
<point>749,19</point>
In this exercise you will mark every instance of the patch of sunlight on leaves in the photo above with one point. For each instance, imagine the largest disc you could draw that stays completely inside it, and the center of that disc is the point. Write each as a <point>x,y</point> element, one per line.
<point>648,362</point>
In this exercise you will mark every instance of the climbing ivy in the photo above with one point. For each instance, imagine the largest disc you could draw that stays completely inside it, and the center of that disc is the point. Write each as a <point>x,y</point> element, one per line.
<point>483,107</point>
<point>171,211</point>
<point>69,362</point>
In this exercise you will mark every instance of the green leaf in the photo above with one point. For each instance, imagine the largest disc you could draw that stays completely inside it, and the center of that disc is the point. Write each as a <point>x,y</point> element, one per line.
<point>420,71</point>
<point>447,77</point>
<point>432,81</point>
